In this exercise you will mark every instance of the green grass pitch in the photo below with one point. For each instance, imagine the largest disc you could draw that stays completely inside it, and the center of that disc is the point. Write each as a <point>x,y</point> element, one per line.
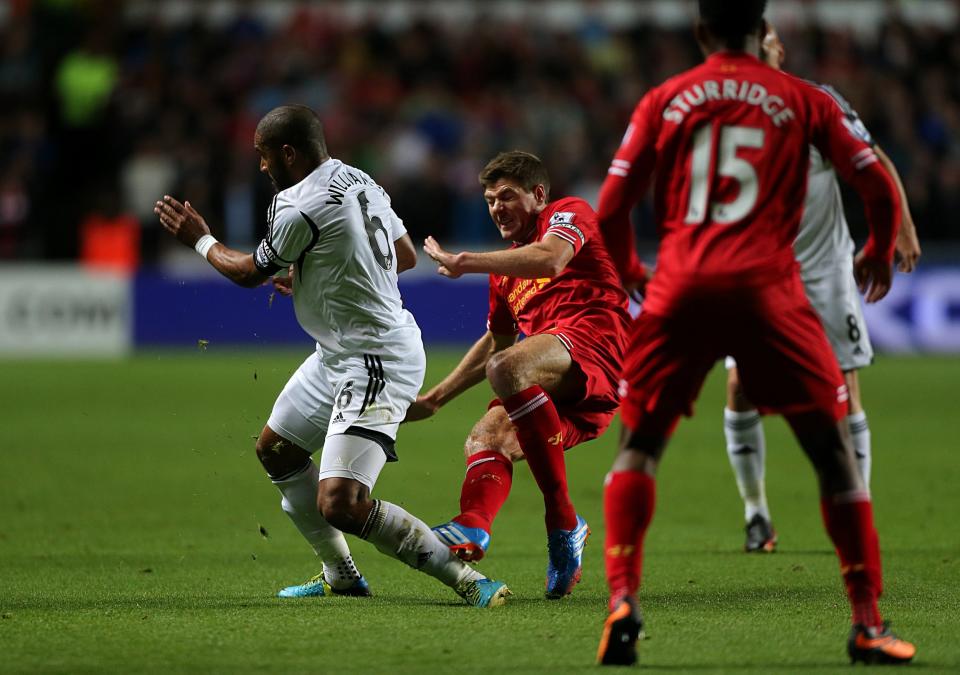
<point>132,502</point>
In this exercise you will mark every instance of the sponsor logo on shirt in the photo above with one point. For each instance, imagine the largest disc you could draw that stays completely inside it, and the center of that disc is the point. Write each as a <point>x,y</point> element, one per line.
<point>523,291</point>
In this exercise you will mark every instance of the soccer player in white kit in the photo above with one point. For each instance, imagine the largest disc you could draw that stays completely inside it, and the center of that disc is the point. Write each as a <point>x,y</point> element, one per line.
<point>824,250</point>
<point>333,228</point>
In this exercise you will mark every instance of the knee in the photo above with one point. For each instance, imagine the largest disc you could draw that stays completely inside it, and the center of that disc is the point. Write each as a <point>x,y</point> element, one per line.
<point>505,373</point>
<point>339,503</point>
<point>495,433</point>
<point>334,504</point>
<point>279,456</point>
<point>640,450</point>
<point>635,460</point>
<point>736,399</point>
<point>268,448</point>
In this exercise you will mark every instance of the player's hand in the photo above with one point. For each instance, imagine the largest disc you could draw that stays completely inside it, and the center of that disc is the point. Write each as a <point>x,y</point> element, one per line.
<point>284,285</point>
<point>907,248</point>
<point>874,277</point>
<point>637,288</point>
<point>449,263</point>
<point>181,220</point>
<point>421,409</point>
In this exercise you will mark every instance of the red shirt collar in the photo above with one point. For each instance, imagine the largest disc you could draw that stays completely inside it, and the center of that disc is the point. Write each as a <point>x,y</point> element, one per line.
<point>731,55</point>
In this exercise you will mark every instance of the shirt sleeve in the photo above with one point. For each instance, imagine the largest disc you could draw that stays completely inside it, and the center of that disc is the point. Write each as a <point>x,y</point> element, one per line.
<point>853,157</point>
<point>290,234</point>
<point>626,184</point>
<point>500,320</point>
<point>397,228</point>
<point>575,223</point>
<point>854,123</point>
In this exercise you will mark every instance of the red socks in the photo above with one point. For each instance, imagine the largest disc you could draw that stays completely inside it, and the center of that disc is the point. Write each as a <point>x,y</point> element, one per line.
<point>628,502</point>
<point>541,438</point>
<point>485,489</point>
<point>849,521</point>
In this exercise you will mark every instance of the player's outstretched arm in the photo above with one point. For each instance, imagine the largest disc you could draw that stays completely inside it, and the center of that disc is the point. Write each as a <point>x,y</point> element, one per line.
<point>471,370</point>
<point>628,178</point>
<point>182,221</point>
<point>908,244</point>
<point>538,260</point>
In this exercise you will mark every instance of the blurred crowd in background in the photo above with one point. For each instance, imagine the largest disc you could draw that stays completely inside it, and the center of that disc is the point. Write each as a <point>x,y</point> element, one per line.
<point>103,112</point>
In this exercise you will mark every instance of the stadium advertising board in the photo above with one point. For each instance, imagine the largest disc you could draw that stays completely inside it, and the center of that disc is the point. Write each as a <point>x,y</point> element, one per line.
<point>921,314</point>
<point>63,310</point>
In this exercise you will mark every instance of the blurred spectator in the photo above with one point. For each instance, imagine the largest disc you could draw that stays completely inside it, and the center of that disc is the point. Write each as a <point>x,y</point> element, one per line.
<point>109,236</point>
<point>155,101</point>
<point>14,211</point>
<point>147,174</point>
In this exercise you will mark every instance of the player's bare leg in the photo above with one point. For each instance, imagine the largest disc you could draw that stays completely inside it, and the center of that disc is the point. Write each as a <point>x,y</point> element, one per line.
<point>746,450</point>
<point>859,428</point>
<point>848,516</point>
<point>528,377</point>
<point>292,470</point>
<point>346,504</point>
<point>629,498</point>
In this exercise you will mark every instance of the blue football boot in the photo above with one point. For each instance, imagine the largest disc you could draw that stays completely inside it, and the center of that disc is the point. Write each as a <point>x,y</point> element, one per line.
<point>484,592</point>
<point>565,559</point>
<point>317,587</point>
<point>467,543</point>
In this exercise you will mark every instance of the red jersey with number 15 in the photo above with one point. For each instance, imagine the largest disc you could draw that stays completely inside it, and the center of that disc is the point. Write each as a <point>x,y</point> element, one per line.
<point>586,293</point>
<point>728,142</point>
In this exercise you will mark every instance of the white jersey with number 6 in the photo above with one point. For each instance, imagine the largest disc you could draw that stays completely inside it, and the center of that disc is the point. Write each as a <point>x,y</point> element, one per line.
<point>337,229</point>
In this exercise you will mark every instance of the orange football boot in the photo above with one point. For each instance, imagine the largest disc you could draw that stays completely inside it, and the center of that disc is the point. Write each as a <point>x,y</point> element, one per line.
<point>873,646</point>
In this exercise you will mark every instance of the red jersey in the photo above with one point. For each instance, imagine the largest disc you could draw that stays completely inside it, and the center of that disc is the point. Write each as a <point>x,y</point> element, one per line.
<point>587,291</point>
<point>729,144</point>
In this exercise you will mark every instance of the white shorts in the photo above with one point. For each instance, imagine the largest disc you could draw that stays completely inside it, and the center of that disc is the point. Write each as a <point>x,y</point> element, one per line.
<point>365,396</point>
<point>835,297</point>
<point>836,300</point>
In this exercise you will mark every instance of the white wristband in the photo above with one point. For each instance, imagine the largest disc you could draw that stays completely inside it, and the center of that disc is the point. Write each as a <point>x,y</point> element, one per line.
<point>204,244</point>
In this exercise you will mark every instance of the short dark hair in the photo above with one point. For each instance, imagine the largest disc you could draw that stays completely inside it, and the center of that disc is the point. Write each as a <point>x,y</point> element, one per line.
<point>731,21</point>
<point>520,167</point>
<point>297,126</point>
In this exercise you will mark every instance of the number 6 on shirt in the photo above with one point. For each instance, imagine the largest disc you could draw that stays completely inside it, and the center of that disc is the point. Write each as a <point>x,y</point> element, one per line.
<point>729,165</point>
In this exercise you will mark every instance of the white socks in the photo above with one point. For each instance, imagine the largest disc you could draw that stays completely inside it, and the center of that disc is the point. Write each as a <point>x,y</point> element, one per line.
<point>390,528</point>
<point>300,503</point>
<point>746,449</point>
<point>860,433</point>
<point>400,535</point>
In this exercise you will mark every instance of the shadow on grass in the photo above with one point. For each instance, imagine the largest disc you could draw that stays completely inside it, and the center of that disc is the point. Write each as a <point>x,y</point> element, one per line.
<point>200,603</point>
<point>832,665</point>
<point>696,596</point>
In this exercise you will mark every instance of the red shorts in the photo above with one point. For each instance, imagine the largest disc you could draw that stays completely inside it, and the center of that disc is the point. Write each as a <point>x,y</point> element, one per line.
<point>785,363</point>
<point>599,359</point>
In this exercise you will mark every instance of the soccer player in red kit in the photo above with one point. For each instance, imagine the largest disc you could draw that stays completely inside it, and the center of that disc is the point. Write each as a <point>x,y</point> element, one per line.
<point>728,142</point>
<point>557,387</point>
